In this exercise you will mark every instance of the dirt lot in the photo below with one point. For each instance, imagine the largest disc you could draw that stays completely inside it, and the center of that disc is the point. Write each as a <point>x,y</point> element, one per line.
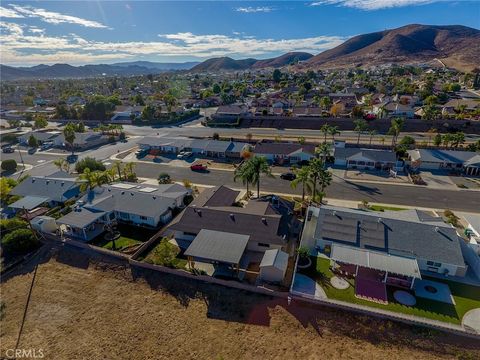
<point>85,309</point>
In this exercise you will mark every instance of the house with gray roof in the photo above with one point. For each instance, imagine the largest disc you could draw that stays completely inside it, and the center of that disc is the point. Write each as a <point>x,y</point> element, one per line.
<point>368,159</point>
<point>410,234</point>
<point>434,159</point>
<point>53,189</point>
<point>285,153</point>
<point>131,203</point>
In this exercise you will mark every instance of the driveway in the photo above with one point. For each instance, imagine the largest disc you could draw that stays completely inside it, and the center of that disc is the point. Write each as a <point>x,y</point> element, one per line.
<point>308,286</point>
<point>435,181</point>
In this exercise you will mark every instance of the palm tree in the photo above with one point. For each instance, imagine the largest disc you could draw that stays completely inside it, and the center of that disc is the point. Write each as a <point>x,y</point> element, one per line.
<point>62,164</point>
<point>325,130</point>
<point>245,173</point>
<point>128,170</point>
<point>91,179</point>
<point>324,150</point>
<point>117,165</point>
<point>69,135</point>
<point>334,131</point>
<point>315,168</point>
<point>395,129</point>
<point>372,133</point>
<point>360,127</point>
<point>303,177</point>
<point>324,180</point>
<point>259,166</point>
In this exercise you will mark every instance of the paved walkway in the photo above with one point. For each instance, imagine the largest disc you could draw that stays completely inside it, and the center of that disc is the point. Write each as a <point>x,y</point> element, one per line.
<point>471,320</point>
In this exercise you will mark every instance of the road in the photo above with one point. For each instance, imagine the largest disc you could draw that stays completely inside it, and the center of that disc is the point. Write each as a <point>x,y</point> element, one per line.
<point>340,189</point>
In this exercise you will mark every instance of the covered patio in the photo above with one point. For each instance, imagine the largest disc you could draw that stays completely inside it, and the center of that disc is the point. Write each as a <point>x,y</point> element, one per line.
<point>222,251</point>
<point>84,224</point>
<point>373,271</point>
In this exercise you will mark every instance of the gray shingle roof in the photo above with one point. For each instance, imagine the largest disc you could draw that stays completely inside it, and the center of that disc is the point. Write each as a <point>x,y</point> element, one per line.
<point>283,148</point>
<point>391,233</point>
<point>374,155</point>
<point>55,189</point>
<point>218,246</point>
<point>80,218</point>
<point>29,202</point>
<point>441,156</point>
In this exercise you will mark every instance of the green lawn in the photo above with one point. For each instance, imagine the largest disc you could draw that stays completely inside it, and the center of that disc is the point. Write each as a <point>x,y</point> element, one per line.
<point>129,235</point>
<point>383,208</point>
<point>466,297</point>
<point>121,243</point>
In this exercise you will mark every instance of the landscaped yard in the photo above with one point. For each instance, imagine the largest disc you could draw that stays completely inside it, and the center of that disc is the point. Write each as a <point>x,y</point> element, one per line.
<point>383,208</point>
<point>166,254</point>
<point>129,235</point>
<point>466,297</point>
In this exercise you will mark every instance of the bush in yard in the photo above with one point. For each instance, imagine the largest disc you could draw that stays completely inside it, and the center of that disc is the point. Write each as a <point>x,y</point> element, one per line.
<point>164,178</point>
<point>165,253</point>
<point>19,241</point>
<point>7,225</point>
<point>303,252</point>
<point>9,165</point>
<point>89,162</point>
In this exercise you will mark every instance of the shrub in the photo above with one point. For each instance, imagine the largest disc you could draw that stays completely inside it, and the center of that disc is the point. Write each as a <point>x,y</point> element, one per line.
<point>9,165</point>
<point>19,241</point>
<point>303,252</point>
<point>89,162</point>
<point>165,253</point>
<point>164,178</point>
<point>187,183</point>
<point>7,225</point>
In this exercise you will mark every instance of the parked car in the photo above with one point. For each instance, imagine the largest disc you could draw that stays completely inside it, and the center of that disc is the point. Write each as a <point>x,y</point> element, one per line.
<point>198,167</point>
<point>181,154</point>
<point>288,176</point>
<point>141,153</point>
<point>8,150</point>
<point>32,150</point>
<point>187,154</point>
<point>72,158</point>
<point>46,146</point>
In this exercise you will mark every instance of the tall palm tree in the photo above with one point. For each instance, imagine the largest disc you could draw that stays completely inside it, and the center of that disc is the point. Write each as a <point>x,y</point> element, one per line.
<point>245,173</point>
<point>324,150</point>
<point>259,166</point>
<point>303,177</point>
<point>372,133</point>
<point>360,127</point>
<point>333,131</point>
<point>324,180</point>
<point>117,165</point>
<point>315,168</point>
<point>91,179</point>
<point>395,129</point>
<point>128,170</point>
<point>325,130</point>
<point>62,164</point>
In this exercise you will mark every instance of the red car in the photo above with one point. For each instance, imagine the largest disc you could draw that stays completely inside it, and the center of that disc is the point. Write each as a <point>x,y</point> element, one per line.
<point>198,167</point>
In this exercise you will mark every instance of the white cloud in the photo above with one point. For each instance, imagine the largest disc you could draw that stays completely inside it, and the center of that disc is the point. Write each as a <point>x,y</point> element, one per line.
<point>9,13</point>
<point>373,4</point>
<point>250,9</point>
<point>52,17</point>
<point>29,45</point>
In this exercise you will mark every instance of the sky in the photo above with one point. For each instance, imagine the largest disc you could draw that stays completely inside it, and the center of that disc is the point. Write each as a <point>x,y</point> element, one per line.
<point>81,32</point>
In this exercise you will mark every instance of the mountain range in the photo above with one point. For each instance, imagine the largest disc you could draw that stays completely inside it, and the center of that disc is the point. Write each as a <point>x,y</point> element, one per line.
<point>454,46</point>
<point>68,71</point>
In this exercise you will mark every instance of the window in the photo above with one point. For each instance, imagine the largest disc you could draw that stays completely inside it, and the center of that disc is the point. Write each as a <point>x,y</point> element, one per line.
<point>430,263</point>
<point>143,218</point>
<point>263,245</point>
<point>437,264</point>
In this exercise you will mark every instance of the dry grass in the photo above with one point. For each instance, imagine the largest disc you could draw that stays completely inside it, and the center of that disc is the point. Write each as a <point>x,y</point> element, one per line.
<point>84,309</point>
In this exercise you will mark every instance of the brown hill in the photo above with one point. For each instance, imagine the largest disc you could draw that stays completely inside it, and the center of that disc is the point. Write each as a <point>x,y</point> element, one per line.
<point>455,45</point>
<point>229,64</point>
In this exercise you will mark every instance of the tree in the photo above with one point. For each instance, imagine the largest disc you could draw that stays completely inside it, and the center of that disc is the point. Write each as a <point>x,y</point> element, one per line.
<point>259,165</point>
<point>215,136</point>
<point>6,185</point>
<point>315,168</point>
<point>437,140</point>
<point>457,139</point>
<point>396,126</point>
<point>216,88</point>
<point>62,164</point>
<point>164,178</point>
<point>372,133</point>
<point>360,127</point>
<point>302,177</point>
<point>249,137</point>
<point>19,241</point>
<point>32,141</point>
<point>40,123</point>
<point>9,165</point>
<point>245,173</point>
<point>325,102</point>
<point>407,141</point>
<point>357,112</point>
<point>117,165</point>
<point>324,180</point>
<point>333,131</point>
<point>130,174</point>
<point>277,75</point>
<point>324,150</point>
<point>336,109</point>
<point>325,130</point>
<point>91,179</point>
<point>89,163</point>
<point>165,253</point>
<point>69,135</point>
<point>81,127</point>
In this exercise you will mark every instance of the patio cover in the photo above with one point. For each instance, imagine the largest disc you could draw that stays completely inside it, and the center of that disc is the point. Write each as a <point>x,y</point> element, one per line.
<point>80,218</point>
<point>376,260</point>
<point>218,246</point>
<point>29,202</point>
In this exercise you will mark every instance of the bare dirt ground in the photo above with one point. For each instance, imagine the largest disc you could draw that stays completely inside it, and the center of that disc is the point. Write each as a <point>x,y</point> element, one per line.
<point>83,308</point>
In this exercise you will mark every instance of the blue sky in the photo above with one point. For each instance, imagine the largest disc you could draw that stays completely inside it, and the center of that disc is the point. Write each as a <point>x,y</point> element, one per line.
<point>79,32</point>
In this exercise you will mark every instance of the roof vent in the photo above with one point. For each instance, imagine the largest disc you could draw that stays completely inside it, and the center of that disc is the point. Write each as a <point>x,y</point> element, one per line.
<point>232,216</point>
<point>379,220</point>
<point>334,213</point>
<point>63,183</point>
<point>47,182</point>
<point>154,198</point>
<point>123,192</point>
<point>199,212</point>
<point>131,193</point>
<point>264,220</point>
<point>437,229</point>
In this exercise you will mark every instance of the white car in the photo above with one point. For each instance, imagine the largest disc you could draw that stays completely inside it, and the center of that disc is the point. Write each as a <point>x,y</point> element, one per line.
<point>181,154</point>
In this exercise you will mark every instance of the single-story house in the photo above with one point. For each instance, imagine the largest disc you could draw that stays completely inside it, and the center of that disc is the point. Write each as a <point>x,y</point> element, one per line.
<point>41,136</point>
<point>232,110</point>
<point>51,189</point>
<point>427,159</point>
<point>265,221</point>
<point>285,153</point>
<point>274,265</point>
<point>370,159</point>
<point>307,111</point>
<point>412,234</point>
<point>139,205</point>
<point>84,140</point>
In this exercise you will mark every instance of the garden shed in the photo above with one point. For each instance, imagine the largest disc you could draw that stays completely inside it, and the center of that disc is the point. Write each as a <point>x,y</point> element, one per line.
<point>274,265</point>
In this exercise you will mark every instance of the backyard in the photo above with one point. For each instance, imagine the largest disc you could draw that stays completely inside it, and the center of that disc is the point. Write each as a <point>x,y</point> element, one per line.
<point>466,297</point>
<point>129,237</point>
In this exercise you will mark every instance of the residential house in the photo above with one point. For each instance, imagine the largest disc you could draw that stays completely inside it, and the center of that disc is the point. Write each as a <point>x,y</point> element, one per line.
<point>307,111</point>
<point>232,111</point>
<point>285,153</point>
<point>138,205</point>
<point>53,190</point>
<point>84,140</point>
<point>432,159</point>
<point>262,224</point>
<point>365,159</point>
<point>411,238</point>
<point>40,136</point>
